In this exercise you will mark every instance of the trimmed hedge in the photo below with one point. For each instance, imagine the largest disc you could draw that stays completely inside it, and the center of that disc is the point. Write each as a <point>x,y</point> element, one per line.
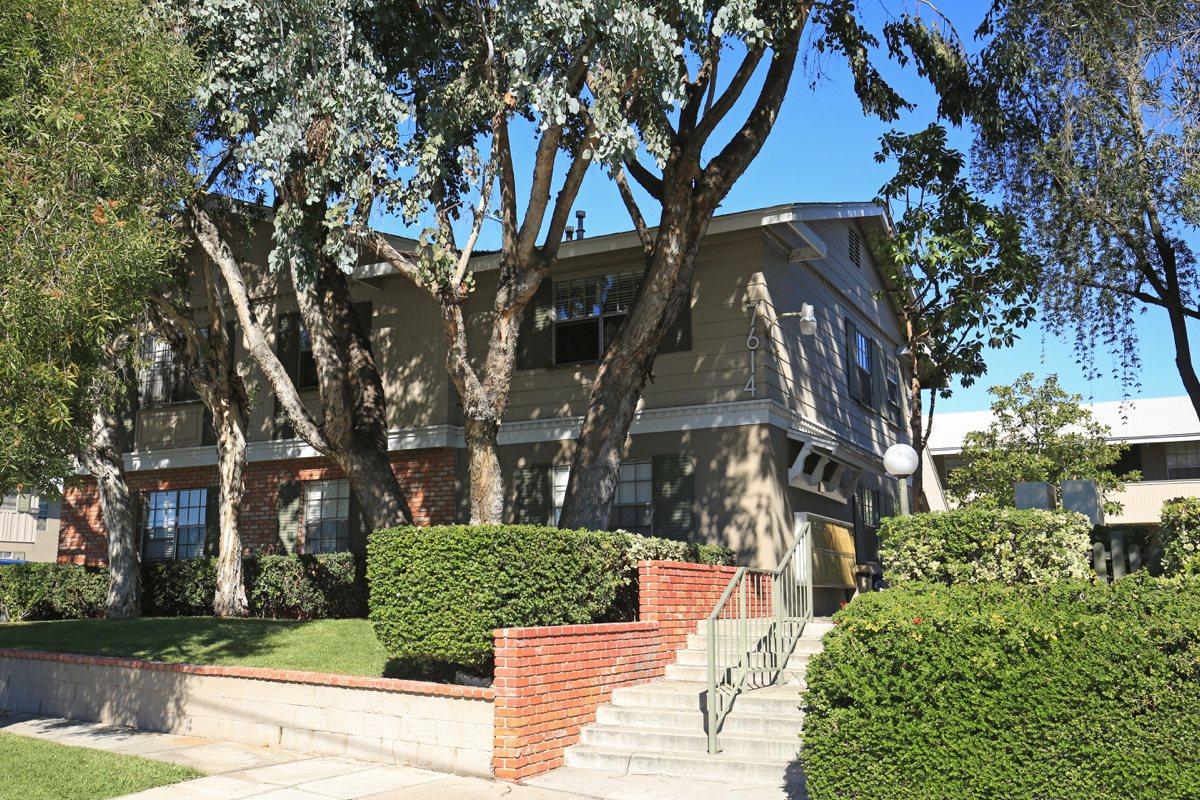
<point>437,593</point>
<point>1063,692</point>
<point>1179,532</point>
<point>975,545</point>
<point>51,591</point>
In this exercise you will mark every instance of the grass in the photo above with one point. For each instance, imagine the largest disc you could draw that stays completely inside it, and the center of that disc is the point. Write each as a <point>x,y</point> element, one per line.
<point>340,646</point>
<point>34,769</point>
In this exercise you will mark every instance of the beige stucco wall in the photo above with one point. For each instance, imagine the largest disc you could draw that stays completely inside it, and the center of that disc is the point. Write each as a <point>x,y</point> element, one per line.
<point>19,533</point>
<point>445,733</point>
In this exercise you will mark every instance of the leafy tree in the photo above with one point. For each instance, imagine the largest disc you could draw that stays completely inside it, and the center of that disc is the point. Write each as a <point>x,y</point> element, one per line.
<point>1095,138</point>
<point>1039,432</point>
<point>694,171</point>
<point>94,146</point>
<point>954,270</point>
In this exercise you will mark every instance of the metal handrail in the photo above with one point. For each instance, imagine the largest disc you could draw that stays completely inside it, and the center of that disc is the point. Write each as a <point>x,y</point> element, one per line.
<point>760,627</point>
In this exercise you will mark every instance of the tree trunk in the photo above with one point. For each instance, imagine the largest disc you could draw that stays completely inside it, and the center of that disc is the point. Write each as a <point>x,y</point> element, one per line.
<point>103,459</point>
<point>487,484</point>
<point>916,423</point>
<point>627,367</point>
<point>230,599</point>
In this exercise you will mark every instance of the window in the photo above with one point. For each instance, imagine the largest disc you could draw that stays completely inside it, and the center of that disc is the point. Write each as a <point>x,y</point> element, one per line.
<point>588,311</point>
<point>175,524</point>
<point>326,516</point>
<point>895,404</point>
<point>860,365</point>
<point>855,248</point>
<point>9,503</point>
<point>161,378</point>
<point>18,502</point>
<point>43,513</point>
<point>12,555</point>
<point>293,345</point>
<point>562,475</point>
<point>1183,460</point>
<point>633,506</point>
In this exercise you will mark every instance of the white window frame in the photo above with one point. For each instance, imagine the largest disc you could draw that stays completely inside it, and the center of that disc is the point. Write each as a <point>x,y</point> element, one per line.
<point>168,511</point>
<point>584,298</point>
<point>327,515</point>
<point>634,482</point>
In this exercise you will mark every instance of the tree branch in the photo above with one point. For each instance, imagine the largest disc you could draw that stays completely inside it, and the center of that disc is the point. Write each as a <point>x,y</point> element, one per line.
<point>729,97</point>
<point>645,178</point>
<point>635,212</point>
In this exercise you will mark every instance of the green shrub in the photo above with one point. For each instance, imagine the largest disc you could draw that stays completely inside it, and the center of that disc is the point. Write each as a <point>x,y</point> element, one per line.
<point>634,548</point>
<point>325,586</point>
<point>1179,532</point>
<point>1070,691</point>
<point>974,545</point>
<point>51,591</point>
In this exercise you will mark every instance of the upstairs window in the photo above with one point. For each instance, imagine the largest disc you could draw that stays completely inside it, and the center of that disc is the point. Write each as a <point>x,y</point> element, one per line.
<point>175,524</point>
<point>43,514</point>
<point>161,378</point>
<point>860,365</point>
<point>294,345</point>
<point>588,312</point>
<point>855,248</point>
<point>1183,460</point>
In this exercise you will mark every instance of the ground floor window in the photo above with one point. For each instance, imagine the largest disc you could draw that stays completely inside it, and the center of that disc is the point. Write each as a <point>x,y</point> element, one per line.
<point>326,516</point>
<point>12,555</point>
<point>633,507</point>
<point>653,496</point>
<point>175,524</point>
<point>1183,460</point>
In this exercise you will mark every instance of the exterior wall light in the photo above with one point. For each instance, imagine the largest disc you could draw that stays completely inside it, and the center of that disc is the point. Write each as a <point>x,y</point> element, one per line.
<point>807,317</point>
<point>900,461</point>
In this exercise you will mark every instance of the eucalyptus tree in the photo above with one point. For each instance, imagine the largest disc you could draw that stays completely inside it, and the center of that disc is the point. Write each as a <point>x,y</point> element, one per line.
<point>1095,137</point>
<point>678,122</point>
<point>561,70</point>
<point>298,104</point>
<point>95,144</point>
<point>954,270</point>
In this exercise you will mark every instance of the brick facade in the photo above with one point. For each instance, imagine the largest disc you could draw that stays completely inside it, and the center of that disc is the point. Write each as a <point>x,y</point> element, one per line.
<point>550,681</point>
<point>429,478</point>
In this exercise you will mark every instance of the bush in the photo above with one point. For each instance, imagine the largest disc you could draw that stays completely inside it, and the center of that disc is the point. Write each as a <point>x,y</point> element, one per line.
<point>438,592</point>
<point>51,591</point>
<point>975,545</point>
<point>634,548</point>
<point>1179,532</point>
<point>1071,691</point>
<point>325,586</point>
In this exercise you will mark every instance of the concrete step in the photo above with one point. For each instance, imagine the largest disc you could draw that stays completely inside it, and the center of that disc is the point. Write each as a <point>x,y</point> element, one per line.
<point>739,721</point>
<point>814,629</point>
<point>723,766</point>
<point>695,740</point>
<point>792,676</point>
<point>699,641</point>
<point>666,695</point>
<point>797,661</point>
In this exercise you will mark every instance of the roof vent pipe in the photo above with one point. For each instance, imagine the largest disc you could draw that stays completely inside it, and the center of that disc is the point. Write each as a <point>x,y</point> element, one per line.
<point>568,233</point>
<point>579,215</point>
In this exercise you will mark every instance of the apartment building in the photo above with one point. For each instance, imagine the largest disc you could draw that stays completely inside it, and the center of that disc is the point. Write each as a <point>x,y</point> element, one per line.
<point>746,421</point>
<point>28,527</point>
<point>1163,434</point>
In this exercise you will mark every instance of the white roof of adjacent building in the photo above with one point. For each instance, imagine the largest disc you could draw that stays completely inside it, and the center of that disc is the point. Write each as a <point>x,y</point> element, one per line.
<point>1149,419</point>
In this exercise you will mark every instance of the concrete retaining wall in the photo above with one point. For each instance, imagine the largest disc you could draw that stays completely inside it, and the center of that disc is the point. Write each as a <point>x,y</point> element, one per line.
<point>392,721</point>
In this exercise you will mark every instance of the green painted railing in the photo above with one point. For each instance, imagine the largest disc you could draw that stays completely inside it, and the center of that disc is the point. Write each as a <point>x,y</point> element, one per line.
<point>755,626</point>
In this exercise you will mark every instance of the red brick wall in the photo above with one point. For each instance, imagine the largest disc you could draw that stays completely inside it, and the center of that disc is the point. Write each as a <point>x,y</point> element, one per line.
<point>428,476</point>
<point>550,681</point>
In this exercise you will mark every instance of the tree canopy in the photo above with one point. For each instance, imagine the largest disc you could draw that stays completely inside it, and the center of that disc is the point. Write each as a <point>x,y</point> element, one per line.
<point>95,141</point>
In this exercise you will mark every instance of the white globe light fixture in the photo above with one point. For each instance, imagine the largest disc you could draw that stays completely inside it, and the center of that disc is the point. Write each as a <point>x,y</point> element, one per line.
<point>900,461</point>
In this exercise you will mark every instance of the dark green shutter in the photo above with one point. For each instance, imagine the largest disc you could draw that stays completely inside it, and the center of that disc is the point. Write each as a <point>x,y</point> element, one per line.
<point>281,423</point>
<point>674,491</point>
<point>208,435</point>
<point>679,335</point>
<point>853,384</point>
<point>288,504</point>
<point>287,343</point>
<point>212,522</point>
<point>877,386</point>
<point>363,312</point>
<point>535,343</point>
<point>358,526</point>
<point>533,495</point>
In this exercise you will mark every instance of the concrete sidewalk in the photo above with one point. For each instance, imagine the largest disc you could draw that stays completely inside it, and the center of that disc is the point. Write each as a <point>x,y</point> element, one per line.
<point>237,771</point>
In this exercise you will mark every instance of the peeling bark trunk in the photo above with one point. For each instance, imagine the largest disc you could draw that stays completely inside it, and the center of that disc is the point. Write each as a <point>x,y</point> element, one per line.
<point>104,461</point>
<point>487,484</point>
<point>916,424</point>
<point>230,599</point>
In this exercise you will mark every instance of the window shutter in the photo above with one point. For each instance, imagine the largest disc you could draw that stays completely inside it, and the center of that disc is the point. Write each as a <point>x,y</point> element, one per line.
<point>212,522</point>
<point>363,312</point>
<point>679,335</point>
<point>288,503</point>
<point>674,491</point>
<point>535,342</point>
<point>22,503</point>
<point>281,425</point>
<point>853,384</point>
<point>358,526</point>
<point>208,435</point>
<point>287,343</point>
<point>533,495</point>
<point>877,386</point>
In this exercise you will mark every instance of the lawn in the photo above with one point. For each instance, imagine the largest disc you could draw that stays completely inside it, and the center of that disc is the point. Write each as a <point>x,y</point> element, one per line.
<point>342,646</point>
<point>34,769</point>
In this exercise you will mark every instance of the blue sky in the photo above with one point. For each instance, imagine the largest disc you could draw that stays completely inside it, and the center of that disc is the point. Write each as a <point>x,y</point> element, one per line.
<point>822,148</point>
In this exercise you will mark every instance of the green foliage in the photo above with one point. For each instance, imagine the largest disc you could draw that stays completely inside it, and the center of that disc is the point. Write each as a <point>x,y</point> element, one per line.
<point>1179,532</point>
<point>51,591</point>
<point>95,127</point>
<point>1038,433</point>
<point>986,692</point>
<point>324,586</point>
<point>978,545</point>
<point>438,592</point>
<point>954,265</point>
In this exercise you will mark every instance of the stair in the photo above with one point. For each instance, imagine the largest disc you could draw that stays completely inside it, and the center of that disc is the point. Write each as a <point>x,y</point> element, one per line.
<point>658,728</point>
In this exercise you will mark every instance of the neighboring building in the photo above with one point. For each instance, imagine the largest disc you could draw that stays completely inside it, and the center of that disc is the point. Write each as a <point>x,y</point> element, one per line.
<point>28,528</point>
<point>1163,434</point>
<point>744,423</point>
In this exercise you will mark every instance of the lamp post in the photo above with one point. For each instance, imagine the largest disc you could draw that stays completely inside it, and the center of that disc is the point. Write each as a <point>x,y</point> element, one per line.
<point>900,461</point>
